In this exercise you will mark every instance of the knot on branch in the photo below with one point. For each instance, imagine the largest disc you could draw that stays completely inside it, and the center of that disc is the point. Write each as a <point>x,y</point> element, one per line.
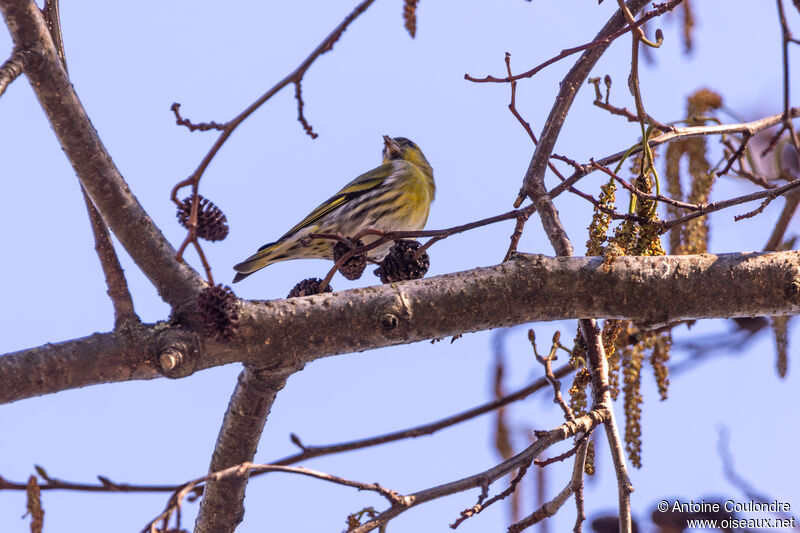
<point>177,352</point>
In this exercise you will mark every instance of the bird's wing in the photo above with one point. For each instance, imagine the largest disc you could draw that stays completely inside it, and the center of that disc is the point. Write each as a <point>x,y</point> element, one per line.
<point>359,186</point>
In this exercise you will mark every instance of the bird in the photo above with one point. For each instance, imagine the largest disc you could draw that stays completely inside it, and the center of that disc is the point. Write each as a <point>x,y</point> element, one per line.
<point>395,196</point>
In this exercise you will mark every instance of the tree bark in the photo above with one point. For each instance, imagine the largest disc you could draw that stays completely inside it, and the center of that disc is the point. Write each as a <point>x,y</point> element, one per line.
<point>290,333</point>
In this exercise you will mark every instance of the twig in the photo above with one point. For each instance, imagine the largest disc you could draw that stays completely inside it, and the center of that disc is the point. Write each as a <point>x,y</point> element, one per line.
<point>566,455</point>
<point>622,111</point>
<point>575,486</point>
<point>515,236</point>
<point>243,470</point>
<point>483,503</point>
<point>547,363</point>
<point>601,40</point>
<point>426,429</point>
<point>13,67</point>
<point>667,225</point>
<point>643,195</point>
<point>202,126</point>
<point>115,277</point>
<point>545,440</point>
<point>298,95</point>
<point>757,211</point>
<point>104,485</point>
<point>512,106</point>
<point>736,155</point>
<point>776,238</point>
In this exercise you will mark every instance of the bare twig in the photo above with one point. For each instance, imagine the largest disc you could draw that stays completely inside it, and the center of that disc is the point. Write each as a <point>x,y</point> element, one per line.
<point>601,40</point>
<point>577,486</point>
<point>547,363</point>
<point>242,471</point>
<point>643,195</point>
<point>13,67</point>
<point>426,429</point>
<point>551,507</point>
<point>788,211</point>
<point>482,479</point>
<point>736,156</point>
<point>566,455</point>
<point>483,503</point>
<point>115,277</point>
<point>771,194</point>
<point>622,111</point>
<point>104,484</point>
<point>548,509</point>
<point>202,126</point>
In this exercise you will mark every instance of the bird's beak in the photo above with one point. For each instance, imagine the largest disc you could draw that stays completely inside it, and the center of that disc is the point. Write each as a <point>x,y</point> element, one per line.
<point>392,148</point>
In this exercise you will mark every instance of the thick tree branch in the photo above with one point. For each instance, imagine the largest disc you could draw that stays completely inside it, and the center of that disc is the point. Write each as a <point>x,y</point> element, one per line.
<point>176,282</point>
<point>290,333</point>
<point>222,506</point>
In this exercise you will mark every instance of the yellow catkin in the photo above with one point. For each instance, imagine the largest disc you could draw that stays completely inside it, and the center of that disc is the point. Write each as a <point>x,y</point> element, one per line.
<point>601,221</point>
<point>34,505</point>
<point>632,367</point>
<point>693,236</point>
<point>611,331</point>
<point>658,360</point>
<point>577,392</point>
<point>589,465</point>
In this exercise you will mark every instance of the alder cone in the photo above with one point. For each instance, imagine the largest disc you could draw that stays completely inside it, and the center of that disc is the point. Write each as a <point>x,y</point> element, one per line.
<point>401,265</point>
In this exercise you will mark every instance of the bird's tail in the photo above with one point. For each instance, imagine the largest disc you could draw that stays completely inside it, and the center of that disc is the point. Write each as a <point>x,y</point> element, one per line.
<point>265,256</point>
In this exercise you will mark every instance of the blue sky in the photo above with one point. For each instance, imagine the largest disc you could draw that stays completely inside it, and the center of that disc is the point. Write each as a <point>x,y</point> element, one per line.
<point>130,61</point>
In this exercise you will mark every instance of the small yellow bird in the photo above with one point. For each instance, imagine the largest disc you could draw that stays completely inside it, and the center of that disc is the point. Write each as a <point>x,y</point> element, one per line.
<point>395,196</point>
